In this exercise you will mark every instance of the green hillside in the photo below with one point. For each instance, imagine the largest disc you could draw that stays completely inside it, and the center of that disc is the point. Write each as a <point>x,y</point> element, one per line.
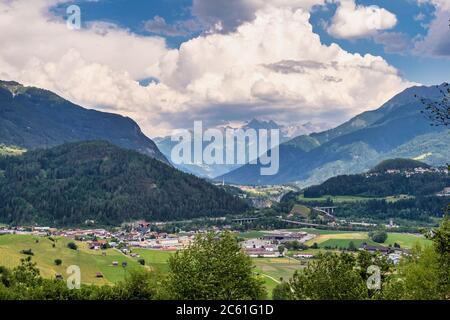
<point>98,181</point>
<point>89,261</point>
<point>382,184</point>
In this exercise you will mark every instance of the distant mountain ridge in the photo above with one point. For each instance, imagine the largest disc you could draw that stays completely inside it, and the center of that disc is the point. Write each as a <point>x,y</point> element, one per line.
<point>33,118</point>
<point>398,128</point>
<point>211,171</point>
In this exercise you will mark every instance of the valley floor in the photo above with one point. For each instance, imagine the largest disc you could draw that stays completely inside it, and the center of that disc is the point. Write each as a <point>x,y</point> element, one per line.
<point>91,262</point>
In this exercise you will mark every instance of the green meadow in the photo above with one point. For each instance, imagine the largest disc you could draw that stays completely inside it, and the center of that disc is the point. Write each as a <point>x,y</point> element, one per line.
<point>156,259</point>
<point>344,243</point>
<point>90,261</point>
<point>341,199</point>
<point>407,240</point>
<point>336,199</point>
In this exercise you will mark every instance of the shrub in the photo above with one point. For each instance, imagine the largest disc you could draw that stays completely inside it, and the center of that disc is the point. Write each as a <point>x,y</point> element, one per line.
<point>72,245</point>
<point>214,267</point>
<point>28,252</point>
<point>378,236</point>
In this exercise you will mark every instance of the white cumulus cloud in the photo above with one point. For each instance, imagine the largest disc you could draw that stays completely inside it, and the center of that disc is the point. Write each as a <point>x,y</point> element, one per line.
<point>357,21</point>
<point>273,66</point>
<point>437,40</point>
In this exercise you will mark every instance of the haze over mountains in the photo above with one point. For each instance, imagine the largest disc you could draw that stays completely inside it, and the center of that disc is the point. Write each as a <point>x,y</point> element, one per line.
<point>33,118</point>
<point>165,144</point>
<point>396,129</point>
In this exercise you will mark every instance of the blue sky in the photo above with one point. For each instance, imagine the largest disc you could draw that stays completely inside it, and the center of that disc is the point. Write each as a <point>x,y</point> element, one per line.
<point>168,63</point>
<point>415,67</point>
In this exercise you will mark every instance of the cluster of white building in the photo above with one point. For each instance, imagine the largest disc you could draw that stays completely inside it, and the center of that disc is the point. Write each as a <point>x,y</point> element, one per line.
<point>36,231</point>
<point>268,245</point>
<point>256,248</point>
<point>164,242</point>
<point>410,172</point>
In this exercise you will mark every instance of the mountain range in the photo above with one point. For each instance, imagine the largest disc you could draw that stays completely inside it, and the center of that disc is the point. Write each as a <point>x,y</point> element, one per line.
<point>32,118</point>
<point>165,144</point>
<point>398,129</point>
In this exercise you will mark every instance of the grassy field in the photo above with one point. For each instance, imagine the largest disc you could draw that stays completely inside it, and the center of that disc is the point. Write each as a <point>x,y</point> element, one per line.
<point>344,243</point>
<point>342,239</point>
<point>407,240</point>
<point>273,269</point>
<point>156,259</point>
<point>336,199</point>
<point>323,237</point>
<point>301,210</point>
<point>340,199</point>
<point>10,150</point>
<point>89,261</point>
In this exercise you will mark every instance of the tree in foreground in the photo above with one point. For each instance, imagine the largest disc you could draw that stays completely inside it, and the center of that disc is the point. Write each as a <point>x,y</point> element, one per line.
<point>282,292</point>
<point>425,275</point>
<point>330,277</point>
<point>139,285</point>
<point>417,277</point>
<point>214,267</point>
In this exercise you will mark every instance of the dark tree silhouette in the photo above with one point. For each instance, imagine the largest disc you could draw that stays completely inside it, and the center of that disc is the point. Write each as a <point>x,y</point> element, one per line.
<point>438,111</point>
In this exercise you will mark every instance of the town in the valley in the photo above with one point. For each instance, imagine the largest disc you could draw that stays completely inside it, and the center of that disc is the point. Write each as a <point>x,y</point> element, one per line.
<point>144,235</point>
